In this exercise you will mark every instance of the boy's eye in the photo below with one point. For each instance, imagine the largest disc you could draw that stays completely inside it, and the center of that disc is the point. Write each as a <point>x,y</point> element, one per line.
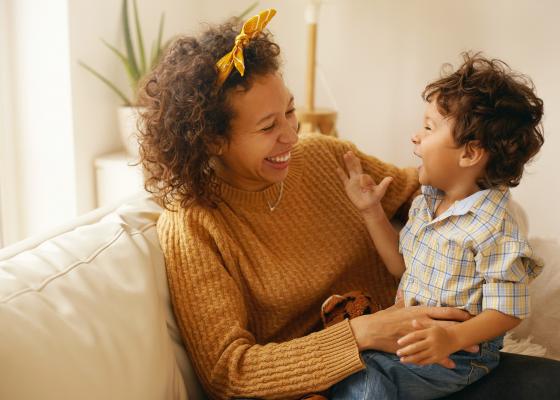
<point>427,128</point>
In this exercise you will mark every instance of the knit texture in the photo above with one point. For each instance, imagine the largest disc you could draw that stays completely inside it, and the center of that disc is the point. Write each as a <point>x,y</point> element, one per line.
<point>247,284</point>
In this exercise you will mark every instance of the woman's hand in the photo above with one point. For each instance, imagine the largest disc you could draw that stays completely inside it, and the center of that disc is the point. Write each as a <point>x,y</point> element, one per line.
<point>360,188</point>
<point>382,330</point>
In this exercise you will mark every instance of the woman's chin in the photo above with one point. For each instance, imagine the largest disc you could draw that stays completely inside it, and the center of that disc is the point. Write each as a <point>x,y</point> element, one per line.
<point>279,176</point>
<point>276,172</point>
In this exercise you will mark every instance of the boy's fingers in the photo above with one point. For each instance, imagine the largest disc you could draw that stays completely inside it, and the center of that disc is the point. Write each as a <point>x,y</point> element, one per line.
<point>447,363</point>
<point>413,348</point>
<point>384,185</point>
<point>342,175</point>
<point>412,337</point>
<point>418,358</point>
<point>366,181</point>
<point>418,325</point>
<point>472,349</point>
<point>353,164</point>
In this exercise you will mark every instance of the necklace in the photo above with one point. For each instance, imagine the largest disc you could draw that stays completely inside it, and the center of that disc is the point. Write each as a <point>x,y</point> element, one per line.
<point>272,207</point>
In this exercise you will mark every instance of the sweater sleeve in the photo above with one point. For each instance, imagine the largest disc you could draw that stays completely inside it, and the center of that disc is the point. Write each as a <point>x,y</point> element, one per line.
<point>210,308</point>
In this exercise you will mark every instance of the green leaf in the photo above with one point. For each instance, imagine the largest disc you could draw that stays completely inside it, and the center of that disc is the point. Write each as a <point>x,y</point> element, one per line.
<point>140,39</point>
<point>128,41</point>
<point>157,53</point>
<point>123,97</point>
<point>124,60</point>
<point>248,10</point>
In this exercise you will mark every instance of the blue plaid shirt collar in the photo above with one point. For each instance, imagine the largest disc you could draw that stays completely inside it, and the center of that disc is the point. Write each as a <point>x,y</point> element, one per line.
<point>491,200</point>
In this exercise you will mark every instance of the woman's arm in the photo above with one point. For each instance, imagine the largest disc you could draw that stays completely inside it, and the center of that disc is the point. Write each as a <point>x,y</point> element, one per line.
<point>211,310</point>
<point>210,305</point>
<point>382,330</point>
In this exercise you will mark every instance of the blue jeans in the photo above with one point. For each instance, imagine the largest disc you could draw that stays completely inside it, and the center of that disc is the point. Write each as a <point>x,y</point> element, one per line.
<point>385,377</point>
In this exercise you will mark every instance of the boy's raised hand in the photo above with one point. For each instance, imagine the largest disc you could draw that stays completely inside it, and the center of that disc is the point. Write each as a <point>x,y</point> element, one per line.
<point>360,188</point>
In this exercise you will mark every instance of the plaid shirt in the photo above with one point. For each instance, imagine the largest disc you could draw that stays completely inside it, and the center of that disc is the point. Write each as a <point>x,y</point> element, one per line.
<point>472,256</point>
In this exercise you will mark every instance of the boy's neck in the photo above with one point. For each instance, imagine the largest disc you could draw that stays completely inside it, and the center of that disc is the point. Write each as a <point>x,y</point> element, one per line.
<point>455,193</point>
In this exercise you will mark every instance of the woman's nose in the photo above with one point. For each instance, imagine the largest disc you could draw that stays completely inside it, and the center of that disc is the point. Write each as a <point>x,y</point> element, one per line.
<point>290,133</point>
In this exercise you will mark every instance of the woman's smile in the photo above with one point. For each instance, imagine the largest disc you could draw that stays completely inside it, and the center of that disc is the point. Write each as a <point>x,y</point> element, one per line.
<point>280,161</point>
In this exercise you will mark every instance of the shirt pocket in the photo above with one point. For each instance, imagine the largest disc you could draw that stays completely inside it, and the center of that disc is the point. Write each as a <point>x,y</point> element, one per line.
<point>455,272</point>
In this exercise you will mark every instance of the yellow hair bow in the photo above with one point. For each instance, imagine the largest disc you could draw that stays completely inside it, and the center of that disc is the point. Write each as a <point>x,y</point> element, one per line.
<point>250,29</point>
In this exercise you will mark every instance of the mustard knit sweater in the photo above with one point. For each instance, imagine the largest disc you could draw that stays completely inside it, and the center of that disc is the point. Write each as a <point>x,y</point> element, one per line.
<point>247,284</point>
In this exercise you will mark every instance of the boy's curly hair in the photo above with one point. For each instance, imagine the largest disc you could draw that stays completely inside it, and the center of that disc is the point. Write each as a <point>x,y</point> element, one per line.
<point>185,115</point>
<point>495,106</point>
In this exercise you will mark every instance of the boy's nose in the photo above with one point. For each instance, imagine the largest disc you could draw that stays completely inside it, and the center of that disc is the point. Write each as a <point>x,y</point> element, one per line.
<point>415,138</point>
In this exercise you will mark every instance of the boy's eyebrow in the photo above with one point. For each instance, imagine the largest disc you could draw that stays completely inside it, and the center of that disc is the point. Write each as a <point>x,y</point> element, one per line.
<point>430,119</point>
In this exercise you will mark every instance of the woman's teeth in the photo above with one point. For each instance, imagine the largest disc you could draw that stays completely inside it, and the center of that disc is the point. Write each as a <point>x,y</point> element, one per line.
<point>279,159</point>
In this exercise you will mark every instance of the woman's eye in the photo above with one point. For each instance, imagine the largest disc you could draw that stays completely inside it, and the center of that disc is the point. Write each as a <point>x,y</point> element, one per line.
<point>292,111</point>
<point>268,128</point>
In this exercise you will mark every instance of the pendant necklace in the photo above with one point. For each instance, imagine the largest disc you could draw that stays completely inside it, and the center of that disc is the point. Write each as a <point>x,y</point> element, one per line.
<point>273,207</point>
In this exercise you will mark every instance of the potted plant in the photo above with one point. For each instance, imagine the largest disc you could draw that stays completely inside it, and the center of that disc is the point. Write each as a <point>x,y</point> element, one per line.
<point>137,65</point>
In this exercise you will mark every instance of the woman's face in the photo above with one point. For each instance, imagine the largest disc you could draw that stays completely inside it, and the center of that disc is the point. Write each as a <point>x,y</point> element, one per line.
<point>263,133</point>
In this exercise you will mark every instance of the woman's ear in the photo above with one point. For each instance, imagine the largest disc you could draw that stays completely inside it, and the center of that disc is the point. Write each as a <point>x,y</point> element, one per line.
<point>473,155</point>
<point>216,148</point>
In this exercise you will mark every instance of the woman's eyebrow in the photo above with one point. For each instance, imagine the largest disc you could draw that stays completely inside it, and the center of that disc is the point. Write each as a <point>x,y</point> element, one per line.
<point>265,118</point>
<point>272,114</point>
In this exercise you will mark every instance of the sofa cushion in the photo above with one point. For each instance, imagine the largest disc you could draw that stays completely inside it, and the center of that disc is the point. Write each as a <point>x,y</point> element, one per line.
<point>543,324</point>
<point>86,315</point>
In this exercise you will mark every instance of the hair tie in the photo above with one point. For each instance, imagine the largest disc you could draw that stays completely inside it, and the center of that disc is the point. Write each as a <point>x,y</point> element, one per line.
<point>250,29</point>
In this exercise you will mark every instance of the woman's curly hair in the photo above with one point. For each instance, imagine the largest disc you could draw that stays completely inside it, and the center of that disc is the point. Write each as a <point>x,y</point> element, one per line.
<point>495,106</point>
<point>185,115</point>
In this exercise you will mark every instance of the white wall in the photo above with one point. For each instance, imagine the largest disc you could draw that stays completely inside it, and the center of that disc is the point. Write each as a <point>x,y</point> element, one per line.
<point>9,196</point>
<point>377,56</point>
<point>61,117</point>
<point>41,106</point>
<point>94,105</point>
<point>391,49</point>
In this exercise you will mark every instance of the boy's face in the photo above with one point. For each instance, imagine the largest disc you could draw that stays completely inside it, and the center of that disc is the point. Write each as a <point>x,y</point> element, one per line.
<point>435,145</point>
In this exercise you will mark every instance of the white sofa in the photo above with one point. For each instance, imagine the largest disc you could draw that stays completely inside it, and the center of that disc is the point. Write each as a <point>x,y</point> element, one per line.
<point>85,312</point>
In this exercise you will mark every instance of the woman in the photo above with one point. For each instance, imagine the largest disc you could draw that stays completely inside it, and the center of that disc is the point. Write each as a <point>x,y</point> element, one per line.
<point>258,230</point>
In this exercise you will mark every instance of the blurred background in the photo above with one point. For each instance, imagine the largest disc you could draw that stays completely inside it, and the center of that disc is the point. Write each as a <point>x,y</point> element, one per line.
<point>60,151</point>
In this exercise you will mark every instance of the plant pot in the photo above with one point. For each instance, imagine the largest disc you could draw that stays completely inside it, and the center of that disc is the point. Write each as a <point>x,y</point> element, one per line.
<point>129,119</point>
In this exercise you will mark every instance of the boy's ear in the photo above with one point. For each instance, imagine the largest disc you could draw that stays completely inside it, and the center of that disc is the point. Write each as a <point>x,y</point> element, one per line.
<point>473,154</point>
